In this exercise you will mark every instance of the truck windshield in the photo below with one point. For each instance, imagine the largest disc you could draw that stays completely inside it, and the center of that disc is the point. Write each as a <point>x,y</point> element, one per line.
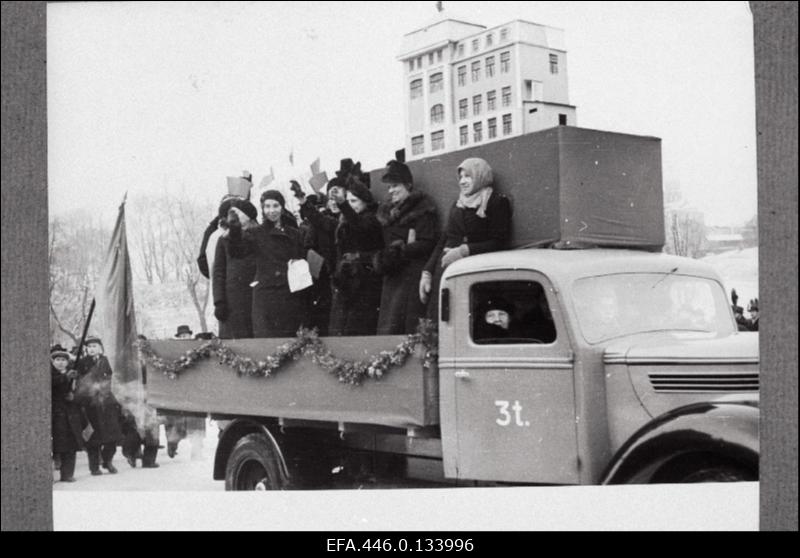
<point>612,306</point>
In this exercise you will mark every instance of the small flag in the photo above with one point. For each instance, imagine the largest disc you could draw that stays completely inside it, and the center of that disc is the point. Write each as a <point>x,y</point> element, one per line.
<point>291,157</point>
<point>315,166</point>
<point>267,180</point>
<point>318,181</point>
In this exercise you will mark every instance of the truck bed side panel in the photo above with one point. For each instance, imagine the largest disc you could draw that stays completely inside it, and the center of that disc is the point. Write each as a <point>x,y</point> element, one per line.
<point>405,397</point>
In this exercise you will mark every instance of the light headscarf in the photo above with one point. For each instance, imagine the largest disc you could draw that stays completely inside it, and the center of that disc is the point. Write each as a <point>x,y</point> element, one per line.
<point>482,179</point>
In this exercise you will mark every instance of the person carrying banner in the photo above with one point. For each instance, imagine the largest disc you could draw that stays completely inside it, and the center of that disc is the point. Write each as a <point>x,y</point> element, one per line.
<point>67,417</point>
<point>102,409</point>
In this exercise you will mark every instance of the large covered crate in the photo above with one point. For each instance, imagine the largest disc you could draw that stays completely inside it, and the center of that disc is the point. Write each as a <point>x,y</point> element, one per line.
<point>405,397</point>
<point>570,187</point>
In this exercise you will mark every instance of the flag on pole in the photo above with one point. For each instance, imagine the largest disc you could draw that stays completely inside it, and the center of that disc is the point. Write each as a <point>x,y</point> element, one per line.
<point>315,167</point>
<point>116,319</point>
<point>267,180</point>
<point>291,157</point>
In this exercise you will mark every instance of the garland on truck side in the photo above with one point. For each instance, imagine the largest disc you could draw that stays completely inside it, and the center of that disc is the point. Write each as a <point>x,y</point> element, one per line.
<point>307,343</point>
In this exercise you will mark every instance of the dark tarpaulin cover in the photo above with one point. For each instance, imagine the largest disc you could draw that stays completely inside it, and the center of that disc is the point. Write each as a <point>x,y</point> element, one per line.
<point>405,397</point>
<point>570,187</point>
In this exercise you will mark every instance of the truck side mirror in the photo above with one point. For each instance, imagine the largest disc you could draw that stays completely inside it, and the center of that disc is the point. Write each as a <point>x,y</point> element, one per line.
<point>444,306</point>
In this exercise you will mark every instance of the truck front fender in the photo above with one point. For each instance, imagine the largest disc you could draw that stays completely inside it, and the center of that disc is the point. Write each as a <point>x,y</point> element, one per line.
<point>722,432</point>
<point>234,432</point>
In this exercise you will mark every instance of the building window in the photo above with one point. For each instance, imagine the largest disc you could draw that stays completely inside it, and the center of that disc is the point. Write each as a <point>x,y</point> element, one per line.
<point>437,140</point>
<point>490,66</point>
<point>506,124</point>
<point>477,132</point>
<point>492,125</point>
<point>476,105</point>
<point>437,114</point>
<point>419,62</point>
<point>476,70</point>
<point>411,65</point>
<point>505,62</point>
<point>462,109</point>
<point>562,119</point>
<point>506,96</point>
<point>439,55</point>
<point>430,59</point>
<point>461,49</point>
<point>462,75</point>
<point>489,39</point>
<point>416,88</point>
<point>437,82</point>
<point>504,34</point>
<point>553,63</point>
<point>475,44</point>
<point>491,97</point>
<point>418,145</point>
<point>463,135</point>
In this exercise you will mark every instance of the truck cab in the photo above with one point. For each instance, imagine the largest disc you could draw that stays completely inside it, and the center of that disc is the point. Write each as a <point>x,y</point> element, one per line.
<point>617,366</point>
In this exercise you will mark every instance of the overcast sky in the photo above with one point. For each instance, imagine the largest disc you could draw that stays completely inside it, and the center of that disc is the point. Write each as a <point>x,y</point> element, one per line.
<point>144,97</point>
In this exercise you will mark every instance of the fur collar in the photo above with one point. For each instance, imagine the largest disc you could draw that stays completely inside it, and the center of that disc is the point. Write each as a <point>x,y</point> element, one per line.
<point>409,210</point>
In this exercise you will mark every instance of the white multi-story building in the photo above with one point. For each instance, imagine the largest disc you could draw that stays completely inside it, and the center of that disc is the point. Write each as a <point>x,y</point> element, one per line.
<point>466,84</point>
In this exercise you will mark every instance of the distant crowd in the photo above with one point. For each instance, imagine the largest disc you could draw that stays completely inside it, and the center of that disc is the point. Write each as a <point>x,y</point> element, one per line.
<point>745,323</point>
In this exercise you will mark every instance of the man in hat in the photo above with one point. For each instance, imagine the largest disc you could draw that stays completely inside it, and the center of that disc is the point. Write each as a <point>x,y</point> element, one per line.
<point>752,308</point>
<point>184,332</point>
<point>178,427</point>
<point>67,418</point>
<point>102,409</point>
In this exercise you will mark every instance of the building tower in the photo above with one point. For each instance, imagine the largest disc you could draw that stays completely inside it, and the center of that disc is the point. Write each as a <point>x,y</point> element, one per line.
<point>467,85</point>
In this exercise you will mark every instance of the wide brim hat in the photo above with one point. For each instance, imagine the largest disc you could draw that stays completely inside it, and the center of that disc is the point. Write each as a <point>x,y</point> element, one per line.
<point>183,329</point>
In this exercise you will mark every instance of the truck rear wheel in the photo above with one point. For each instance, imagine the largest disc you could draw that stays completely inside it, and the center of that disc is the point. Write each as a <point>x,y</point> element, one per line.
<point>704,468</point>
<point>253,465</point>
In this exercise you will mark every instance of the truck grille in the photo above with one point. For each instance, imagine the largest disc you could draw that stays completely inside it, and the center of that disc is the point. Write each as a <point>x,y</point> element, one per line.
<point>684,383</point>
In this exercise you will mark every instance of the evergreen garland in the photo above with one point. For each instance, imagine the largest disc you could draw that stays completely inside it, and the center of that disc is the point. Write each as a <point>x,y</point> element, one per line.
<point>307,343</point>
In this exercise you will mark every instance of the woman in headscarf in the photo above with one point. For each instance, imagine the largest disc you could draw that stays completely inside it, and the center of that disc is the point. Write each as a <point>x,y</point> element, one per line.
<point>233,297</point>
<point>410,232</point>
<point>479,222</point>
<point>276,311</point>
<point>357,287</point>
<point>67,416</point>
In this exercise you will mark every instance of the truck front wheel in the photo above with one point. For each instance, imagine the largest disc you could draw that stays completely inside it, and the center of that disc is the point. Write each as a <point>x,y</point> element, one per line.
<point>253,465</point>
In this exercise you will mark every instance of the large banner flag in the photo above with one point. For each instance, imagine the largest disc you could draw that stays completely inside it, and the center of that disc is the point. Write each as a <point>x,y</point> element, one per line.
<point>116,320</point>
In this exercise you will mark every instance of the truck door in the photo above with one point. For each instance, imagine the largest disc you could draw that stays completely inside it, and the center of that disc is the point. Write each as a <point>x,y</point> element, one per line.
<point>506,381</point>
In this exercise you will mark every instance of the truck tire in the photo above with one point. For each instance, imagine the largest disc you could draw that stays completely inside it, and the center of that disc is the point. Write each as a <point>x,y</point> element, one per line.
<point>704,468</point>
<point>253,465</point>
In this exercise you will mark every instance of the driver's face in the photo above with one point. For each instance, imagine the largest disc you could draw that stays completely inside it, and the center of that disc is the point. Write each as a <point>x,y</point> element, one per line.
<point>498,318</point>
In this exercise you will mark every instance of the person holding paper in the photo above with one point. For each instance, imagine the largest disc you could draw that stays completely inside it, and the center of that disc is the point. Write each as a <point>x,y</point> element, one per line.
<point>410,231</point>
<point>276,310</point>
<point>357,287</point>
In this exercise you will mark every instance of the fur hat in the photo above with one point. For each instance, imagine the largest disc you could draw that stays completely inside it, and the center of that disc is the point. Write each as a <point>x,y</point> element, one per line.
<point>59,351</point>
<point>361,191</point>
<point>348,168</point>
<point>397,172</point>
<point>273,195</point>
<point>496,303</point>
<point>183,329</point>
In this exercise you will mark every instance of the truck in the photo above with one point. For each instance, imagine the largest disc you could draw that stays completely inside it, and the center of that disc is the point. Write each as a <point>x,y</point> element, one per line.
<point>625,365</point>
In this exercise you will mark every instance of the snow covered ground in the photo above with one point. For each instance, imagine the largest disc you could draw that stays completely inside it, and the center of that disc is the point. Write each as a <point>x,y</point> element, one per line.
<point>182,473</point>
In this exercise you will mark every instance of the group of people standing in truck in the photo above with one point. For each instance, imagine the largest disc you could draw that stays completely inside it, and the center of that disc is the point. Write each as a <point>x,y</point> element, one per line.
<point>373,266</point>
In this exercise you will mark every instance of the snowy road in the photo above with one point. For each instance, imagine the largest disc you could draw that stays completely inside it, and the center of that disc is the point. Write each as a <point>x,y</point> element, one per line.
<point>179,474</point>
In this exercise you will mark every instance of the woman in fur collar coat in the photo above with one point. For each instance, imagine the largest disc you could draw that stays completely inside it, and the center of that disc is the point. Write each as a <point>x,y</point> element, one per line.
<point>410,231</point>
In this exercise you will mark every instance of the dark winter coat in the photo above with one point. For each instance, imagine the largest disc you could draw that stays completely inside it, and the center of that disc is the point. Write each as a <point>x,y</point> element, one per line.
<point>67,415</point>
<point>357,286</point>
<point>101,407</point>
<point>233,295</point>
<point>401,262</point>
<point>276,312</point>
<point>202,260</point>
<point>480,234</point>
<point>320,238</point>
